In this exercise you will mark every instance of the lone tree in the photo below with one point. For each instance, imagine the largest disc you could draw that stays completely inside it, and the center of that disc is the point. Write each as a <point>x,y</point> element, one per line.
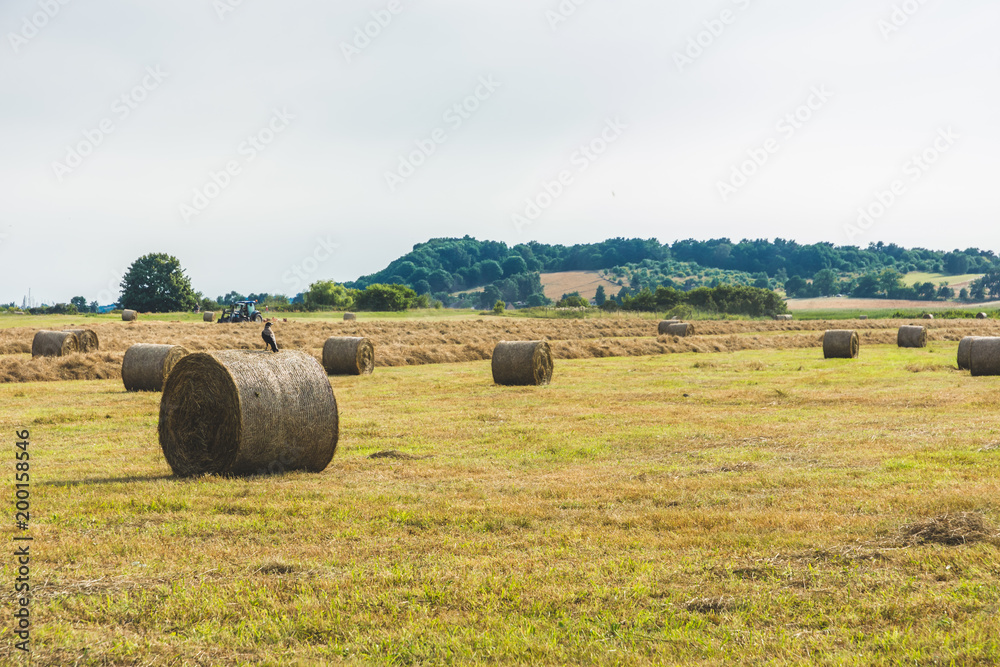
<point>156,283</point>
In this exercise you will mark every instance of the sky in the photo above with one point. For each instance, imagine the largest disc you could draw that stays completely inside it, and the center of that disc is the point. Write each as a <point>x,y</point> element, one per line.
<point>268,145</point>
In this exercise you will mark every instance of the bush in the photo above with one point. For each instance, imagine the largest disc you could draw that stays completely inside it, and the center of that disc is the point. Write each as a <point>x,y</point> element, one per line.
<point>499,308</point>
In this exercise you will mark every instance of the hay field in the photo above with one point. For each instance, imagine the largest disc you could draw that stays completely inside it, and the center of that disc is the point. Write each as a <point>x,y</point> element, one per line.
<point>417,342</point>
<point>762,506</point>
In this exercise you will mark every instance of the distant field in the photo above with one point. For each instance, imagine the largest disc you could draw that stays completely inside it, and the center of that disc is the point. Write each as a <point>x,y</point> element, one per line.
<point>864,305</point>
<point>584,282</point>
<point>938,278</point>
<point>747,508</point>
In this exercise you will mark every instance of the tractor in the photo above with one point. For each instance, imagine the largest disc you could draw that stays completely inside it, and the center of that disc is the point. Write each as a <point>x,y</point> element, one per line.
<point>242,311</point>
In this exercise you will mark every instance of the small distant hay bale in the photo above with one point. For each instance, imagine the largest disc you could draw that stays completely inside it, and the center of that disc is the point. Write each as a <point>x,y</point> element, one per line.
<point>841,344</point>
<point>87,339</point>
<point>520,363</point>
<point>209,316</point>
<point>54,344</point>
<point>965,352</point>
<point>984,356</point>
<point>146,367</point>
<point>981,316</point>
<point>129,315</point>
<point>350,316</point>
<point>910,336</point>
<point>784,318</point>
<point>928,316</point>
<point>243,412</point>
<point>671,328</point>
<point>863,317</point>
<point>348,356</point>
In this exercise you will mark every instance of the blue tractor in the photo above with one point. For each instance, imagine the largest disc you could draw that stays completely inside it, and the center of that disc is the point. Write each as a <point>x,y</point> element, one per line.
<point>242,311</point>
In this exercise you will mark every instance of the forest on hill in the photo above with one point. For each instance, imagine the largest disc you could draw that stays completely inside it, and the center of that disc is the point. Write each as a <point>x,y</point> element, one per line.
<point>469,272</point>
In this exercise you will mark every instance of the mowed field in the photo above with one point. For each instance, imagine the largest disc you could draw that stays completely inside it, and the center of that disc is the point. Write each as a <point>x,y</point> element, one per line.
<point>753,506</point>
<point>584,282</point>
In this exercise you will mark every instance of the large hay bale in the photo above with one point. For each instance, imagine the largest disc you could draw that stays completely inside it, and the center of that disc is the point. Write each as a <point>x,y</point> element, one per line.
<point>522,363</point>
<point>87,338</point>
<point>129,315</point>
<point>682,329</point>
<point>54,344</point>
<point>242,412</point>
<point>209,316</point>
<point>981,316</point>
<point>146,367</point>
<point>984,356</point>
<point>911,336</point>
<point>348,356</point>
<point>350,316</point>
<point>841,344</point>
<point>965,352</point>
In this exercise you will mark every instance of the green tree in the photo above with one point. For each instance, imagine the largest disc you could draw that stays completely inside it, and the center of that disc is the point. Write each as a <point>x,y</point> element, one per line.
<point>499,307</point>
<point>80,303</point>
<point>329,293</point>
<point>490,271</point>
<point>385,298</point>
<point>825,282</point>
<point>600,296</point>
<point>156,283</point>
<point>514,265</point>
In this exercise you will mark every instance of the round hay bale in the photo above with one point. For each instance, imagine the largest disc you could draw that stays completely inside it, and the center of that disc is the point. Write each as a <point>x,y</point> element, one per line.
<point>129,315</point>
<point>209,316</point>
<point>54,344</point>
<point>863,317</point>
<point>783,318</point>
<point>981,316</point>
<point>841,344</point>
<point>350,316</point>
<point>348,356</point>
<point>965,352</point>
<point>522,363</point>
<point>668,328</point>
<point>911,336</point>
<point>87,339</point>
<point>146,367</point>
<point>239,412</point>
<point>984,356</point>
<point>928,316</point>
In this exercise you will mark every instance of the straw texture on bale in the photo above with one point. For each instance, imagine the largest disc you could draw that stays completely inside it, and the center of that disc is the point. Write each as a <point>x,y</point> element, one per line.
<point>911,336</point>
<point>240,412</point>
<point>348,356</point>
<point>965,352</point>
<point>146,367</point>
<point>984,356</point>
<point>54,344</point>
<point>522,363</point>
<point>350,316</point>
<point>668,328</point>
<point>981,316</point>
<point>129,315</point>
<point>209,316</point>
<point>841,344</point>
<point>87,339</point>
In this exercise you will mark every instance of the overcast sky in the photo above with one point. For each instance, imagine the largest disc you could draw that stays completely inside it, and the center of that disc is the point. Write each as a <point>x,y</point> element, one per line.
<point>270,144</point>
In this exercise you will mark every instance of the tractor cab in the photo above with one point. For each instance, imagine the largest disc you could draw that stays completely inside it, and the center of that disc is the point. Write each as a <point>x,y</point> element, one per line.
<point>242,311</point>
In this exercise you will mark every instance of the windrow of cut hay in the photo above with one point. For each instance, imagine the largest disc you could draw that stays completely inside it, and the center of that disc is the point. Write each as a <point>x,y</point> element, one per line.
<point>97,366</point>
